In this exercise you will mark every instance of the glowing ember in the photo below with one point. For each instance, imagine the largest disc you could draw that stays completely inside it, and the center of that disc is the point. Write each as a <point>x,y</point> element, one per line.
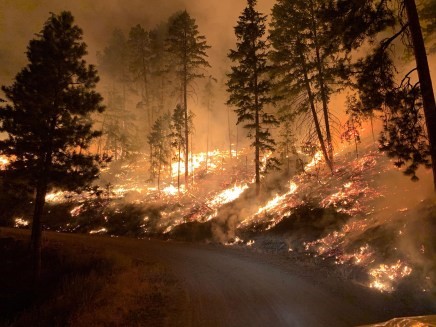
<point>292,187</point>
<point>76,211</point>
<point>98,231</point>
<point>361,257</point>
<point>56,197</point>
<point>171,190</point>
<point>315,160</point>
<point>121,191</point>
<point>4,161</point>
<point>20,222</point>
<point>385,276</point>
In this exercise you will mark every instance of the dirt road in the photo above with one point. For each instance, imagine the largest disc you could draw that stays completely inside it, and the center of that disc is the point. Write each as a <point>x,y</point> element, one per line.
<point>230,288</point>
<point>210,285</point>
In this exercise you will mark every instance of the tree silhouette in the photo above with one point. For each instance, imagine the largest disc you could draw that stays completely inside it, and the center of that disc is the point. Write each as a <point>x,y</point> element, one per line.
<point>404,137</point>
<point>188,50</point>
<point>249,84</point>
<point>47,117</point>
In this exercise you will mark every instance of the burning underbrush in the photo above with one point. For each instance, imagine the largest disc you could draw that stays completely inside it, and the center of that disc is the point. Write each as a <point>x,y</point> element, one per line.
<point>365,219</point>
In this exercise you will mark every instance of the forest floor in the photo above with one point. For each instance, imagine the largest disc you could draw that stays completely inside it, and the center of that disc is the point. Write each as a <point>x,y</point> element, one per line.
<point>102,281</point>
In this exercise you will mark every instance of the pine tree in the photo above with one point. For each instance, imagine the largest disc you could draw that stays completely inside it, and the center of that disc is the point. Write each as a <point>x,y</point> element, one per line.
<point>354,122</point>
<point>139,54</point>
<point>158,140</point>
<point>188,50</point>
<point>119,129</point>
<point>47,117</point>
<point>161,74</point>
<point>113,61</point>
<point>426,87</point>
<point>208,101</point>
<point>178,137</point>
<point>308,57</point>
<point>117,125</point>
<point>401,103</point>
<point>249,84</point>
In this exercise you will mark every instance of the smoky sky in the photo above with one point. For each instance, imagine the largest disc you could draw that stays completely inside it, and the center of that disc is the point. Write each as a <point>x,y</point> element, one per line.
<point>20,20</point>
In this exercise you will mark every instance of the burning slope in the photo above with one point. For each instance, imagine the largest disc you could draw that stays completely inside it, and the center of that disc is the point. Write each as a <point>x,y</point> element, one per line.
<point>377,232</point>
<point>366,215</point>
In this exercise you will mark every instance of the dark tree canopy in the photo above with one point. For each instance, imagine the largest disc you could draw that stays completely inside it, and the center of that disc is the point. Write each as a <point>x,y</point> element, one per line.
<point>47,115</point>
<point>309,60</point>
<point>406,106</point>
<point>249,84</point>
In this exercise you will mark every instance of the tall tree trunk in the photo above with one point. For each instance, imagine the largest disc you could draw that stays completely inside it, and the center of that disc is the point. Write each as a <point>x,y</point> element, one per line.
<point>192,160</point>
<point>371,119</point>
<point>207,135</point>
<point>185,104</point>
<point>314,114</point>
<point>178,170</point>
<point>230,132</point>
<point>324,96</point>
<point>237,141</point>
<point>100,138</point>
<point>36,237</point>
<point>424,79</point>
<point>41,191</point>
<point>158,177</point>
<point>257,137</point>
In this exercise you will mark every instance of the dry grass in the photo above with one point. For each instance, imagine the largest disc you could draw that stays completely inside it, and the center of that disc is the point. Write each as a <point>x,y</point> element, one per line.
<point>99,282</point>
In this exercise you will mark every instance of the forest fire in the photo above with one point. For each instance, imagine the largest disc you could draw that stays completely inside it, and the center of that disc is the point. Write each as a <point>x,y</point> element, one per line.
<point>348,192</point>
<point>284,129</point>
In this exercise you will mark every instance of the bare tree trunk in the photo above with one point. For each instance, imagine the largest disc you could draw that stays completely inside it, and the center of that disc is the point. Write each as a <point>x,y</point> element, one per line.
<point>315,116</point>
<point>355,144</point>
<point>158,178</point>
<point>371,119</point>
<point>192,160</point>
<point>237,141</point>
<point>230,132</point>
<point>41,191</point>
<point>178,170</point>
<point>424,79</point>
<point>324,96</point>
<point>185,104</point>
<point>36,237</point>
<point>207,135</point>
<point>257,138</point>
<point>100,138</point>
